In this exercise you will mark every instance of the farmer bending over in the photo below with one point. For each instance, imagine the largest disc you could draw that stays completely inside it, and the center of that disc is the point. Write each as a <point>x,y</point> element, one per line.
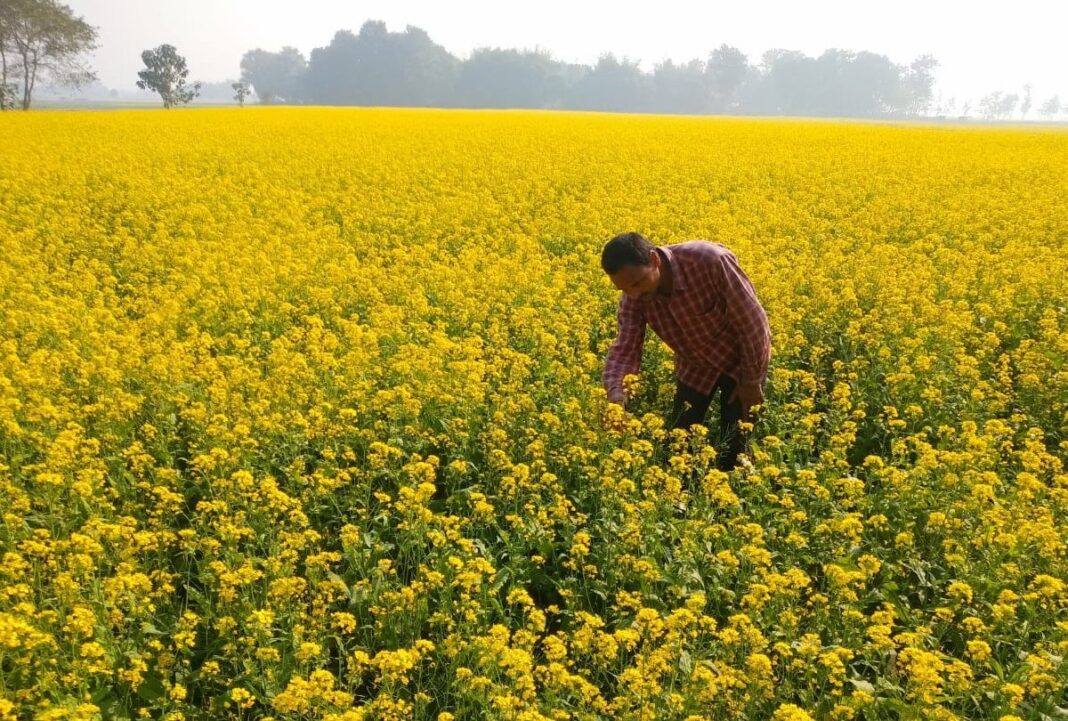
<point>697,299</point>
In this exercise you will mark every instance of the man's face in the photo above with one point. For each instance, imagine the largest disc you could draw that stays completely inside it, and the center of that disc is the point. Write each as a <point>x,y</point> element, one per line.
<point>639,282</point>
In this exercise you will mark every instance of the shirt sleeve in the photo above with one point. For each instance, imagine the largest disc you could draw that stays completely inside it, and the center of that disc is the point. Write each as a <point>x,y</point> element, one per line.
<point>746,317</point>
<point>625,355</point>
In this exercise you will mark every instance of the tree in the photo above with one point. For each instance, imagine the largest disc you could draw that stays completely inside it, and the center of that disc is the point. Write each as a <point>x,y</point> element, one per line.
<point>998,105</point>
<point>1025,104</point>
<point>612,85</point>
<point>681,88</point>
<point>863,84</point>
<point>495,78</point>
<point>241,91</point>
<point>1007,105</point>
<point>989,104</point>
<point>165,73</point>
<point>276,77</point>
<point>727,69</point>
<point>1051,107</point>
<point>41,40</point>
<point>792,76</point>
<point>919,82</point>
<point>378,67</point>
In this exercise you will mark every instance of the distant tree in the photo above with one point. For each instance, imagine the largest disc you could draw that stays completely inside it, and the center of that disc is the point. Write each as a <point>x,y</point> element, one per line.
<point>681,88</point>
<point>1007,106</point>
<point>998,105</point>
<point>495,78</point>
<point>1025,104</point>
<point>276,77</point>
<point>837,83</point>
<point>791,75</point>
<point>919,83</point>
<point>989,105</point>
<point>41,40</point>
<point>1051,107</point>
<point>377,67</point>
<point>165,73</point>
<point>726,70</point>
<point>430,75</point>
<point>757,93</point>
<point>859,85</point>
<point>611,85</point>
<point>241,91</point>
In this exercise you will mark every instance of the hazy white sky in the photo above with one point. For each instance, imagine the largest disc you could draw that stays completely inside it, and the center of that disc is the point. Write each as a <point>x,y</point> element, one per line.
<point>982,46</point>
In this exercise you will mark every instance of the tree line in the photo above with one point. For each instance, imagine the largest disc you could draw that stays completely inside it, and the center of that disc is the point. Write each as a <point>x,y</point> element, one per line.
<point>381,68</point>
<point>42,41</point>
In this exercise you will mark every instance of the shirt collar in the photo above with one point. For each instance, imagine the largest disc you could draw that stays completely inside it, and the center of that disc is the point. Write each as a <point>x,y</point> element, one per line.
<point>678,277</point>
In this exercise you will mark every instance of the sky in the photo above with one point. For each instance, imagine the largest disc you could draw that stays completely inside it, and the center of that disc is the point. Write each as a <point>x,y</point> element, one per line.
<point>981,46</point>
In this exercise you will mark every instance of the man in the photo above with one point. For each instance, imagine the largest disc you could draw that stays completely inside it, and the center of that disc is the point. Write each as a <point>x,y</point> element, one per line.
<point>697,299</point>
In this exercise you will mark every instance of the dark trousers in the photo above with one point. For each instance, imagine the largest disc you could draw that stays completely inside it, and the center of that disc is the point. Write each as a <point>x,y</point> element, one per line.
<point>691,406</point>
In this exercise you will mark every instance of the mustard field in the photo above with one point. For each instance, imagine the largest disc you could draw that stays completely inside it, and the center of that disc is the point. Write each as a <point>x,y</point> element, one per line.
<point>301,418</point>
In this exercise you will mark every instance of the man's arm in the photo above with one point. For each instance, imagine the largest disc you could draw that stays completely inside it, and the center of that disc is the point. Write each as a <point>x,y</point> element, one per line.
<point>746,317</point>
<point>625,355</point>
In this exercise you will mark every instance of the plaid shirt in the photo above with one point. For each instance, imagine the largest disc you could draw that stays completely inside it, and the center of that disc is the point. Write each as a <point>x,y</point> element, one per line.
<point>712,320</point>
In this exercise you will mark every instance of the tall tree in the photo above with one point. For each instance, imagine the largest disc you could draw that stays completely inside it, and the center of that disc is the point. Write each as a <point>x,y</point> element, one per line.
<point>494,78</point>
<point>165,73</point>
<point>241,91</point>
<point>792,75</point>
<point>989,105</point>
<point>919,83</point>
<point>681,88</point>
<point>1051,107</point>
<point>377,67</point>
<point>276,77</point>
<point>41,40</point>
<point>998,105</point>
<point>727,69</point>
<point>613,85</point>
<point>1025,104</point>
<point>1008,106</point>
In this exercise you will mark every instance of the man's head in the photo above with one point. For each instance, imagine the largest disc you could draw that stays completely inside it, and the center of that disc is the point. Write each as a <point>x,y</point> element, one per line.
<point>632,265</point>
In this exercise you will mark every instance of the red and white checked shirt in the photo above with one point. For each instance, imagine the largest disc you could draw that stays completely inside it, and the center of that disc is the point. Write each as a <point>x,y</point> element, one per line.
<point>712,320</point>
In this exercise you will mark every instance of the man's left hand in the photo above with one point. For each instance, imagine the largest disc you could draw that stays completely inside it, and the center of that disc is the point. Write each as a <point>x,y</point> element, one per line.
<point>749,395</point>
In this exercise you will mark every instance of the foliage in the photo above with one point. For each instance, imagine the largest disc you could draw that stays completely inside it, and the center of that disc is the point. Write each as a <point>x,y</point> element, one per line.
<point>241,91</point>
<point>275,77</point>
<point>380,68</point>
<point>41,40</point>
<point>377,67</point>
<point>165,73</point>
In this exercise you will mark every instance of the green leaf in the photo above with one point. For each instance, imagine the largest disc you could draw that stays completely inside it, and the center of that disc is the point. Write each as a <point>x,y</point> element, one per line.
<point>151,688</point>
<point>685,662</point>
<point>862,685</point>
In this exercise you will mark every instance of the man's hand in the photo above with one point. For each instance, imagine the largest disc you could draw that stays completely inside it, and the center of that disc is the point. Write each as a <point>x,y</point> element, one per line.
<point>749,395</point>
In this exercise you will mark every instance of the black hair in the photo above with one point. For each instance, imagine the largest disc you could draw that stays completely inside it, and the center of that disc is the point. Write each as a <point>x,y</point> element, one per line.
<point>626,249</point>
